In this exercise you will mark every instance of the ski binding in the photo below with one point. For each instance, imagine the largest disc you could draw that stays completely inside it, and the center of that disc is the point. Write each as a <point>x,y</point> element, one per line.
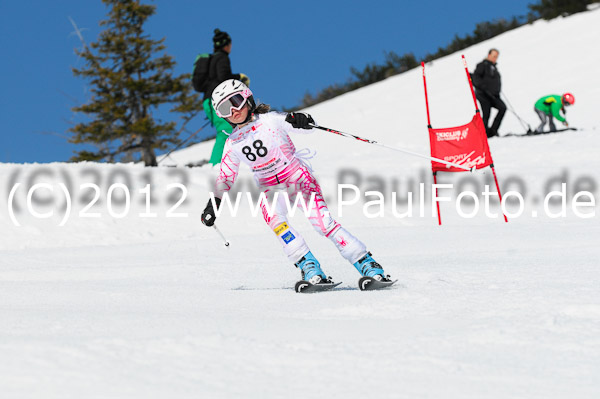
<point>370,284</point>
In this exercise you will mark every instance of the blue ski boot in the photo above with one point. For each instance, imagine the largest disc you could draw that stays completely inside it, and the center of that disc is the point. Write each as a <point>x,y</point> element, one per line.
<point>311,269</point>
<point>367,267</point>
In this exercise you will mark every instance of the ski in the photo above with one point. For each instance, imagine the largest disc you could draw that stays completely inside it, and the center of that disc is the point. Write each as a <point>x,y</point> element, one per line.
<point>305,287</point>
<point>534,133</point>
<point>370,284</point>
<point>538,133</point>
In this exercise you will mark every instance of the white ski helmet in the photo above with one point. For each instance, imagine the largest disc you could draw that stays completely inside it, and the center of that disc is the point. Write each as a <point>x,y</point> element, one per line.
<point>231,94</point>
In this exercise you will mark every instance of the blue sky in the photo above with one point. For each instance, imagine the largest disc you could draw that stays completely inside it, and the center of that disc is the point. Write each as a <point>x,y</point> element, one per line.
<point>286,48</point>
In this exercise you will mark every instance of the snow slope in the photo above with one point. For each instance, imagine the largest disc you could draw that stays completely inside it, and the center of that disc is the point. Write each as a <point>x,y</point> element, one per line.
<point>157,307</point>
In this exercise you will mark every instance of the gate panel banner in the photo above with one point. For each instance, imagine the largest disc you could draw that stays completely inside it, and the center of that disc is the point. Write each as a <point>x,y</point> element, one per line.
<point>465,145</point>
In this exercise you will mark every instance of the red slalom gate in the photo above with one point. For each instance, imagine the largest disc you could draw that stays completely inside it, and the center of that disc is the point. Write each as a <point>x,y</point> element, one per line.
<point>464,145</point>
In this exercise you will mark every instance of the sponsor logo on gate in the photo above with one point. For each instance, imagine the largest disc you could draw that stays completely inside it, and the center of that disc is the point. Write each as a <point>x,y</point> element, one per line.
<point>466,160</point>
<point>452,135</point>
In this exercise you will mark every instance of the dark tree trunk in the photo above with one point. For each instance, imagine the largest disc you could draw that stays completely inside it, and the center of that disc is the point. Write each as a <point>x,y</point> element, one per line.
<point>148,155</point>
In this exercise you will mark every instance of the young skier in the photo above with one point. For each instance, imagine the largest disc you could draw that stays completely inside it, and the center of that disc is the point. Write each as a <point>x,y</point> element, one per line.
<point>550,107</point>
<point>260,140</point>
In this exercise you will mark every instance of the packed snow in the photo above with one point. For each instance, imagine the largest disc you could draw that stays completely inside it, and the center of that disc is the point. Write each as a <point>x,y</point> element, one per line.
<point>142,300</point>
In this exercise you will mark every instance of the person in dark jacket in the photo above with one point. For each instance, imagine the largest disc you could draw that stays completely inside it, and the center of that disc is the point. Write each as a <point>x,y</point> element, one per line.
<point>219,71</point>
<point>486,80</point>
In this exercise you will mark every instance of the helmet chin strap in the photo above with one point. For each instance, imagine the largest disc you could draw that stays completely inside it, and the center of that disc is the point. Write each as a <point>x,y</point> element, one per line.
<point>248,117</point>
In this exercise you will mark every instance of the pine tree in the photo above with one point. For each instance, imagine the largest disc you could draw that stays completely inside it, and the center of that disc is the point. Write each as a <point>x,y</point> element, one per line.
<point>130,78</point>
<point>549,9</point>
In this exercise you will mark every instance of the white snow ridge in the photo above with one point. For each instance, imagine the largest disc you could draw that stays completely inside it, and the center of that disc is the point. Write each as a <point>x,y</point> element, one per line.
<point>124,304</point>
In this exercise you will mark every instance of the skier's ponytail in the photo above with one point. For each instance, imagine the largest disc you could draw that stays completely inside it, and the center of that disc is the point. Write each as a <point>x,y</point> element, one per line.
<point>262,109</point>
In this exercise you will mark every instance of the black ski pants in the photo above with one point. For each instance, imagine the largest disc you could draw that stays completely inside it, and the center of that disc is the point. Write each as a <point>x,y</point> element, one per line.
<point>487,103</point>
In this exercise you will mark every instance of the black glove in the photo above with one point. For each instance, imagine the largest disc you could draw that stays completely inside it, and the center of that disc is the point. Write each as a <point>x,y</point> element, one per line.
<point>299,120</point>
<point>208,216</point>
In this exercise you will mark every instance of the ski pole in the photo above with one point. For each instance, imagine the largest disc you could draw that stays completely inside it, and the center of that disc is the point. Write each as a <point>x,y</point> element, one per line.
<point>521,121</point>
<point>393,148</point>
<point>511,109</point>
<point>221,234</point>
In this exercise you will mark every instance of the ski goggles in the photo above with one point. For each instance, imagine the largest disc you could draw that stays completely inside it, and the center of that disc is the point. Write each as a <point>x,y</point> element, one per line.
<point>235,101</point>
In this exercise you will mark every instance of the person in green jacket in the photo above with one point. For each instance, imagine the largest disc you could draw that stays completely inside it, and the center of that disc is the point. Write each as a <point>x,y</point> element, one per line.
<point>550,107</point>
<point>219,70</point>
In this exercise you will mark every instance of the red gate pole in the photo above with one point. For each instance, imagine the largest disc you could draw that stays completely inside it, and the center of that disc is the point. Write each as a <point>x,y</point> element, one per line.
<point>426,99</point>
<point>477,110</point>
<point>437,203</point>
<point>499,193</point>
<point>470,83</point>
<point>429,127</point>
